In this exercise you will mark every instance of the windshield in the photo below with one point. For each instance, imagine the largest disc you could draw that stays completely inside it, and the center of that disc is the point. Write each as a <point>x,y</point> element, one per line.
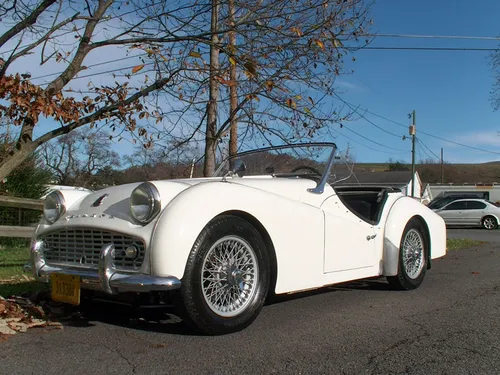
<point>308,160</point>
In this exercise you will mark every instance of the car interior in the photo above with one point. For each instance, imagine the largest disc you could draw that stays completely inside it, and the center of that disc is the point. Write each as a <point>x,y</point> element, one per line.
<point>366,202</point>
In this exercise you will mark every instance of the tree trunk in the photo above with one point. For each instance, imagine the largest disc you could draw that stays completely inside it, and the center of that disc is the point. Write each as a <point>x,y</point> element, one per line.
<point>233,91</point>
<point>210,137</point>
<point>11,162</point>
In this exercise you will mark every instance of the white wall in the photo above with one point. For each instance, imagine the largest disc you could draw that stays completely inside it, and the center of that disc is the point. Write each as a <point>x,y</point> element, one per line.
<point>494,190</point>
<point>418,188</point>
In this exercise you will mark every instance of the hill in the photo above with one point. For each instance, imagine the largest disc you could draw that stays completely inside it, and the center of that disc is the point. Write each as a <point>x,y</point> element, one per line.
<point>452,173</point>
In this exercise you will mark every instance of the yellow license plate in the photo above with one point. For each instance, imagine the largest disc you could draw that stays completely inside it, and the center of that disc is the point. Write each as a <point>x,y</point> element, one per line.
<point>65,288</point>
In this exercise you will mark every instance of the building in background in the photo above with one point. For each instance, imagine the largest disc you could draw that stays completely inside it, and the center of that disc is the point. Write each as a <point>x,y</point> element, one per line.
<point>485,191</point>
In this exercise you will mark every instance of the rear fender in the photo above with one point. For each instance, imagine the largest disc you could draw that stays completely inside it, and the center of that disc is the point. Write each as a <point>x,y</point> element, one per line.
<point>402,211</point>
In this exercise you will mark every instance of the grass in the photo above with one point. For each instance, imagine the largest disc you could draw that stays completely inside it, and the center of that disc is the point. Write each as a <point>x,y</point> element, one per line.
<point>461,243</point>
<point>12,261</point>
<point>18,288</point>
<point>13,280</point>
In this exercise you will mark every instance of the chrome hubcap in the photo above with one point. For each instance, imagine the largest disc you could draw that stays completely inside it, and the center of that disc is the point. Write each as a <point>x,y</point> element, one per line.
<point>413,253</point>
<point>229,276</point>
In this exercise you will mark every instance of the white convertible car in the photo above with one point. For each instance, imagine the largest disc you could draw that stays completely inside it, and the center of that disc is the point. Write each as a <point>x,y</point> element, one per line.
<point>270,221</point>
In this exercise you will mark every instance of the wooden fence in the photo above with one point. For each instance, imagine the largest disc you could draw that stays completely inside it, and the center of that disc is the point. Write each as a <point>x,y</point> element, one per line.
<point>22,204</point>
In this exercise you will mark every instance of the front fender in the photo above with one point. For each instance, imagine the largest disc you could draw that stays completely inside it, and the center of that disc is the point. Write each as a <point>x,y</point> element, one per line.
<point>400,213</point>
<point>295,229</point>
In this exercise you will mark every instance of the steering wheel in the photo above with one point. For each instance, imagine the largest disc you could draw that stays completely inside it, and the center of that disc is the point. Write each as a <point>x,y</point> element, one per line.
<point>306,167</point>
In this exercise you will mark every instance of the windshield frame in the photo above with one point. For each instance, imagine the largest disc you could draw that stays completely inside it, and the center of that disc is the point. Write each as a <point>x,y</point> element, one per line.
<point>320,186</point>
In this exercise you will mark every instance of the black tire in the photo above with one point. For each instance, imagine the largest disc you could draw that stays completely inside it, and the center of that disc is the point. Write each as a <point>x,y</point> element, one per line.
<point>194,308</point>
<point>403,280</point>
<point>489,223</point>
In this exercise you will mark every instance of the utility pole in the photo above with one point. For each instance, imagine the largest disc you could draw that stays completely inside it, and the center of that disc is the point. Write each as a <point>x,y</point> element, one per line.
<point>442,170</point>
<point>413,131</point>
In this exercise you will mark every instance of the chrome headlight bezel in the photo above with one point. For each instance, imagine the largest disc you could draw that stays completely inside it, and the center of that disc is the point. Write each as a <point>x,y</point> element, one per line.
<point>145,193</point>
<point>54,201</point>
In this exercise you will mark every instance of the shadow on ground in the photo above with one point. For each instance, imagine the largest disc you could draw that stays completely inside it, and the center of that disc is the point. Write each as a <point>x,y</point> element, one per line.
<point>167,320</point>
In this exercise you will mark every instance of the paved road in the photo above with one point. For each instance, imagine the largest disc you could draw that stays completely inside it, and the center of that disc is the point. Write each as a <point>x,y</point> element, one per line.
<point>448,326</point>
<point>475,234</point>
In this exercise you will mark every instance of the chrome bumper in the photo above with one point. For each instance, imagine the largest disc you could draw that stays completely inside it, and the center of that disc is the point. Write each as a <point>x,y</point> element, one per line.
<point>105,278</point>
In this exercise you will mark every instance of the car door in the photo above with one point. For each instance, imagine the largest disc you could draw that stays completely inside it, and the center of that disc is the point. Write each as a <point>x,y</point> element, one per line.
<point>473,212</point>
<point>349,240</point>
<point>452,212</point>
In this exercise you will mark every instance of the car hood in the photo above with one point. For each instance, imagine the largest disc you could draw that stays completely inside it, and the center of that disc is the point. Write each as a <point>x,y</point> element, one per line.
<point>114,202</point>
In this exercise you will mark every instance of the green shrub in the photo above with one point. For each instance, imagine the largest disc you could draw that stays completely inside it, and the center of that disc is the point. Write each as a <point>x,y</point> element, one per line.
<point>29,180</point>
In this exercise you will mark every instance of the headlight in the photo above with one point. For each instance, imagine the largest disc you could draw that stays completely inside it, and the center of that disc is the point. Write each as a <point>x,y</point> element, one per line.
<point>53,207</point>
<point>145,203</point>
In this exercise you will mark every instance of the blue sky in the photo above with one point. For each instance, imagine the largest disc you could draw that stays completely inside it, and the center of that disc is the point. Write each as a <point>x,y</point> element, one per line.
<point>448,89</point>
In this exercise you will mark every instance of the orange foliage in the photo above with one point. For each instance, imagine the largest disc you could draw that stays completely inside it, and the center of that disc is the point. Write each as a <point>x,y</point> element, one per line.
<point>29,101</point>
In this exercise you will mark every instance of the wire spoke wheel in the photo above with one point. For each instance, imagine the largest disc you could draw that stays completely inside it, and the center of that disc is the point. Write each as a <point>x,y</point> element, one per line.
<point>229,276</point>
<point>413,253</point>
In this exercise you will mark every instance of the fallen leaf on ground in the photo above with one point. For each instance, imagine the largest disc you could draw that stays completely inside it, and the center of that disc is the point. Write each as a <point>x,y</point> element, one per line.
<point>20,313</point>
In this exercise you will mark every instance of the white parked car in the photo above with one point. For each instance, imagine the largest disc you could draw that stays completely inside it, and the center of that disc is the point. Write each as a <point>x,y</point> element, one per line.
<point>270,221</point>
<point>470,212</point>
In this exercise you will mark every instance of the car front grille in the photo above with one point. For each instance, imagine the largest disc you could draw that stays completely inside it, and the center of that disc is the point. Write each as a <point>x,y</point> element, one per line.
<point>82,247</point>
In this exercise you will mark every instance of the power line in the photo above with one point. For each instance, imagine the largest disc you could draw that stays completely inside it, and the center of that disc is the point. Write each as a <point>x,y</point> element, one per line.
<point>422,144</point>
<point>495,38</point>
<point>364,145</point>
<point>432,135</point>
<point>423,49</point>
<point>460,144</point>
<point>386,119</point>
<point>105,19</point>
<point>93,65</point>
<point>372,141</point>
<point>367,120</point>
<point>105,72</point>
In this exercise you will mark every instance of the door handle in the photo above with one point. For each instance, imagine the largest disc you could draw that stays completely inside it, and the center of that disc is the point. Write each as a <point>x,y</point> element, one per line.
<point>368,238</point>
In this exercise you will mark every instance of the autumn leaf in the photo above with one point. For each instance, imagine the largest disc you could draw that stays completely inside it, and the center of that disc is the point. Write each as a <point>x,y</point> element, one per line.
<point>320,44</point>
<point>253,97</point>
<point>232,61</point>
<point>337,43</point>
<point>297,31</point>
<point>137,68</point>
<point>227,82</point>
<point>291,103</point>
<point>195,54</point>
<point>250,67</point>
<point>269,85</point>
